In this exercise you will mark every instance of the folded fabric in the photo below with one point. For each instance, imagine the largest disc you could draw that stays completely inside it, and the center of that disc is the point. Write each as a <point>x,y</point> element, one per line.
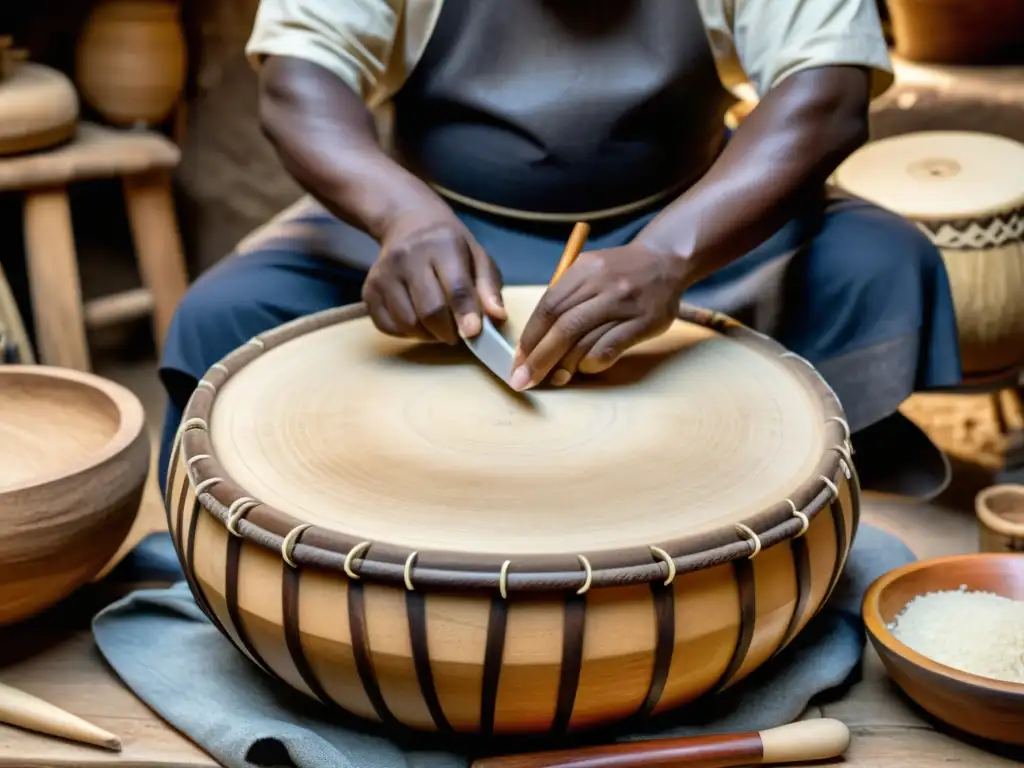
<point>167,652</point>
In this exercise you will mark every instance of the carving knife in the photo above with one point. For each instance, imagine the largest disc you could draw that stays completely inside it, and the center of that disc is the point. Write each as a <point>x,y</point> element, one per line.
<point>490,347</point>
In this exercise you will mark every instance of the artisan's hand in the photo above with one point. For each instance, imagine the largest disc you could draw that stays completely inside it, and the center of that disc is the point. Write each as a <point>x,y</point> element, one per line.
<point>432,281</point>
<point>605,303</point>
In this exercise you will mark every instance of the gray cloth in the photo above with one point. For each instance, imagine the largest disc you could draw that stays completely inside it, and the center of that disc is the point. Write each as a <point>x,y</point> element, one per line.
<point>168,653</point>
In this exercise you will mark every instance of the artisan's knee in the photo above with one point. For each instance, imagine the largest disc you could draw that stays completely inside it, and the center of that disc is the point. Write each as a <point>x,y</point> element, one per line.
<point>215,316</point>
<point>869,260</point>
<point>896,253</point>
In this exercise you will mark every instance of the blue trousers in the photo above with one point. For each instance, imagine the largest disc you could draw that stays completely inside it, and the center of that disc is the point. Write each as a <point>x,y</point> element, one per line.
<point>858,291</point>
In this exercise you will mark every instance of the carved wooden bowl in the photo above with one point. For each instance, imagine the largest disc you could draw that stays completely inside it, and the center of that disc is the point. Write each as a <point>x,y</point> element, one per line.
<point>74,455</point>
<point>978,706</point>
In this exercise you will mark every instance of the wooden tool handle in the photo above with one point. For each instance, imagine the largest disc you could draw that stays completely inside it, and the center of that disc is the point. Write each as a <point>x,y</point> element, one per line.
<point>573,248</point>
<point>23,710</point>
<point>804,741</point>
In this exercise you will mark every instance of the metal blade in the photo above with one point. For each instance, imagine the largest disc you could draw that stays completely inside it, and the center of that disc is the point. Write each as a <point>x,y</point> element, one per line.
<point>493,350</point>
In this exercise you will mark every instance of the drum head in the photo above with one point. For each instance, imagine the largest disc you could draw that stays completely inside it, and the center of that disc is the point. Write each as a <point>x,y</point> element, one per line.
<point>938,174</point>
<point>417,445</point>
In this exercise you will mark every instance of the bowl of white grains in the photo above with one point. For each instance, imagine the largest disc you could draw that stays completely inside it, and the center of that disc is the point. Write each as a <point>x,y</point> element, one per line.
<point>950,632</point>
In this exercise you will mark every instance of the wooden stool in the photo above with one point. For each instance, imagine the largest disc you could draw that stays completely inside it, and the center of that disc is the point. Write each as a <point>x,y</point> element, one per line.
<point>143,161</point>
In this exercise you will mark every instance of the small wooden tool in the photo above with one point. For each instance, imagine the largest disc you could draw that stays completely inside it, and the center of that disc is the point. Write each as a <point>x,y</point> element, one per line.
<point>23,710</point>
<point>804,741</point>
<point>573,248</point>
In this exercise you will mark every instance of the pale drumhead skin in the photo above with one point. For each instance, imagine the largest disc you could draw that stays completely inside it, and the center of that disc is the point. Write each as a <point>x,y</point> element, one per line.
<point>938,174</point>
<point>417,445</point>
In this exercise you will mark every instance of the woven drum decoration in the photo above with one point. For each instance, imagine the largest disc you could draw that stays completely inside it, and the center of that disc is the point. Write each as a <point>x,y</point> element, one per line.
<point>965,191</point>
<point>383,526</point>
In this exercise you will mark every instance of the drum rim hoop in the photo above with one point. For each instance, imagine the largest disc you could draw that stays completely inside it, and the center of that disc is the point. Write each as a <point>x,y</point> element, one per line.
<point>300,544</point>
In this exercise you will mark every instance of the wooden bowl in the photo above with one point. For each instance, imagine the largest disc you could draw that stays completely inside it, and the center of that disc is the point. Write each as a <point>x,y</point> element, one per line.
<point>74,455</point>
<point>985,708</point>
<point>1000,511</point>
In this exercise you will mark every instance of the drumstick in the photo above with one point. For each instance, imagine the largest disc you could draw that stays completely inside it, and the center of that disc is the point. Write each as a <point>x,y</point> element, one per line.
<point>23,710</point>
<point>804,741</point>
<point>573,248</point>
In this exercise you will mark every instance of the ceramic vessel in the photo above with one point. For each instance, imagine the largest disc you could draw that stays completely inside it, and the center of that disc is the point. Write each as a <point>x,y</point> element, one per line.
<point>131,60</point>
<point>74,455</point>
<point>38,108</point>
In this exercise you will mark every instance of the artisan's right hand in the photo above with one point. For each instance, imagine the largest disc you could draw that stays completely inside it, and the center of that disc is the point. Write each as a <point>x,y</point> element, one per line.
<point>432,280</point>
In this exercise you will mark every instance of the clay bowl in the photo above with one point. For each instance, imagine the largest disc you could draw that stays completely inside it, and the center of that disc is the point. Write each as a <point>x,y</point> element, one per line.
<point>978,706</point>
<point>1000,511</point>
<point>74,455</point>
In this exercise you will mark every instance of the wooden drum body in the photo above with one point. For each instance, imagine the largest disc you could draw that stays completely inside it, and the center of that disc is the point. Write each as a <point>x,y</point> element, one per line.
<point>383,527</point>
<point>965,191</point>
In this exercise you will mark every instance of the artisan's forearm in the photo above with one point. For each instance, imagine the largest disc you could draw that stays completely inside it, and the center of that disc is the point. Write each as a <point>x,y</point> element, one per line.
<point>326,139</point>
<point>778,160</point>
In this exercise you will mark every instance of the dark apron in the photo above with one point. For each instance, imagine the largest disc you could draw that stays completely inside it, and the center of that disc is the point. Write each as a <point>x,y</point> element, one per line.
<point>563,106</point>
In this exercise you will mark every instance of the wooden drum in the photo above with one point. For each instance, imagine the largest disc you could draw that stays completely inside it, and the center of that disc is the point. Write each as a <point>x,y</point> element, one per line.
<point>965,191</point>
<point>383,526</point>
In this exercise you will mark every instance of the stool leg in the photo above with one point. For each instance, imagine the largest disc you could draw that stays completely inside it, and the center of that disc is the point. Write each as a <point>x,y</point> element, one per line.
<point>53,279</point>
<point>154,225</point>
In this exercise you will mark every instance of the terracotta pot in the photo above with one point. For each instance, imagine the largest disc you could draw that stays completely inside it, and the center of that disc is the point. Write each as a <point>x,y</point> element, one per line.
<point>958,31</point>
<point>131,60</point>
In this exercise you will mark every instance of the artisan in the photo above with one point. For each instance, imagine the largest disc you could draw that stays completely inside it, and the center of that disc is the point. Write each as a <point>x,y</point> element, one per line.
<point>447,147</point>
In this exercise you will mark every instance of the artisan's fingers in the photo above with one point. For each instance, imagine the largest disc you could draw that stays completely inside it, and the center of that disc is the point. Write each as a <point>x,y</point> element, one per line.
<point>572,291</point>
<point>384,318</point>
<point>561,337</point>
<point>454,274</point>
<point>607,349</point>
<point>429,299</point>
<point>398,306</point>
<point>489,282</point>
<point>569,365</point>
<point>379,313</point>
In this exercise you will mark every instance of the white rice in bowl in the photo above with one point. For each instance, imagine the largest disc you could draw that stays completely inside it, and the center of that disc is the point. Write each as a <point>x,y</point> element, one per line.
<point>979,633</point>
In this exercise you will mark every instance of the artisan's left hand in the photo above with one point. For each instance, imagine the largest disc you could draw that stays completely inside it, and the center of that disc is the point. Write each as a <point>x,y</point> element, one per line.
<point>605,303</point>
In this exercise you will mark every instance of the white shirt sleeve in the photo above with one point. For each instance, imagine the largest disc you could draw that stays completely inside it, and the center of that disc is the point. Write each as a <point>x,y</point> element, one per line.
<point>354,39</point>
<point>772,39</point>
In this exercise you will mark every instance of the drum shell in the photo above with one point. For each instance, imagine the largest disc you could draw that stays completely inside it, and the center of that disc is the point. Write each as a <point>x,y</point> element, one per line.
<point>984,259</point>
<point>962,190</point>
<point>477,662</point>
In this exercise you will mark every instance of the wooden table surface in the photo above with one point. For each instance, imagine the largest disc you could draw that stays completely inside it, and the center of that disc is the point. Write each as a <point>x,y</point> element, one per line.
<point>71,673</point>
<point>54,658</point>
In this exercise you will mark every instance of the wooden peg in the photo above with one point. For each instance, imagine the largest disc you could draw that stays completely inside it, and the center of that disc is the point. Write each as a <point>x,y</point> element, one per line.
<point>23,710</point>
